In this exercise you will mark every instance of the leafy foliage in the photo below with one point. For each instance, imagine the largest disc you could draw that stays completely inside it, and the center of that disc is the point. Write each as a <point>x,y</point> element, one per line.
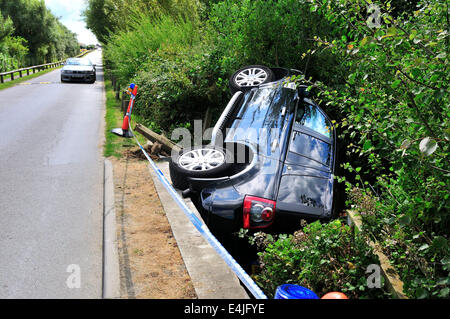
<point>12,49</point>
<point>272,33</point>
<point>166,57</point>
<point>172,90</point>
<point>322,257</point>
<point>30,34</point>
<point>107,17</point>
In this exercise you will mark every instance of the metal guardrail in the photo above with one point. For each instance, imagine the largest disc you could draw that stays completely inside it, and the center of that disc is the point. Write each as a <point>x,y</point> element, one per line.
<point>35,67</point>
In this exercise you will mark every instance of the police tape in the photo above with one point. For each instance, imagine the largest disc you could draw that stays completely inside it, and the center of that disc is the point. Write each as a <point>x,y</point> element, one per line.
<point>204,231</point>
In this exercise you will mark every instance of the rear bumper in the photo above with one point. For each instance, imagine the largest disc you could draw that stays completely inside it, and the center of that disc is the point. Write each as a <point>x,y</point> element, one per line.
<point>223,213</point>
<point>283,222</point>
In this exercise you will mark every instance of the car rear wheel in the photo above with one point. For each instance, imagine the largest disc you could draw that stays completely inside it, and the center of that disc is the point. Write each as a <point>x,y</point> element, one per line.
<point>201,161</point>
<point>249,77</point>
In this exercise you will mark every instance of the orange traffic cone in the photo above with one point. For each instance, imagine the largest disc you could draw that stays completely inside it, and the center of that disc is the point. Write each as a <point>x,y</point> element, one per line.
<point>124,131</point>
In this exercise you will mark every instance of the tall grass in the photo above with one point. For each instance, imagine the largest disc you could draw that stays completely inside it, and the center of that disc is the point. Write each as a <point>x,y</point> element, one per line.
<point>129,50</point>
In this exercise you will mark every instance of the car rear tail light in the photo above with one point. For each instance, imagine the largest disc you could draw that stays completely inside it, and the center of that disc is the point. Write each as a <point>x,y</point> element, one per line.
<point>258,212</point>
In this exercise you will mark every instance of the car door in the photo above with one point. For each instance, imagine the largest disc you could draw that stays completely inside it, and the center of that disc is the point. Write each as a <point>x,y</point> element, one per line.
<point>307,174</point>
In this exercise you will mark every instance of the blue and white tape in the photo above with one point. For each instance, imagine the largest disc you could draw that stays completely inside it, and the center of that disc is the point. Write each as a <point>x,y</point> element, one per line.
<point>205,232</point>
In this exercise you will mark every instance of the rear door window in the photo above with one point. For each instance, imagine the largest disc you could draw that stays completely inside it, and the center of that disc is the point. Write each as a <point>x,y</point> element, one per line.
<point>309,116</point>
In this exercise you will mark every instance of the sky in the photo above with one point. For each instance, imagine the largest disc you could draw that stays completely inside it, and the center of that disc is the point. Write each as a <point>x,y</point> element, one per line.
<point>69,13</point>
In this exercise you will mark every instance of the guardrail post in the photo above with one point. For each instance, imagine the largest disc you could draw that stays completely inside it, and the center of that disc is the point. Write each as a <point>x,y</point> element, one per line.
<point>20,73</point>
<point>116,87</point>
<point>12,76</point>
<point>28,72</point>
<point>125,102</point>
<point>1,78</point>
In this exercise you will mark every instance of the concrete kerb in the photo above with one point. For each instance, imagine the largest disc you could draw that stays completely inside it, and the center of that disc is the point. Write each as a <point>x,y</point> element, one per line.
<point>111,270</point>
<point>210,275</point>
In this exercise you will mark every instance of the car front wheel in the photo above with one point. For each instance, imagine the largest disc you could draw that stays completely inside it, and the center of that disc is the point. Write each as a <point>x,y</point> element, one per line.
<point>249,77</point>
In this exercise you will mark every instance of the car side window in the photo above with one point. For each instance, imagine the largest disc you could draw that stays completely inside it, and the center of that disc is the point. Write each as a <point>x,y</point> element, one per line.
<point>310,116</point>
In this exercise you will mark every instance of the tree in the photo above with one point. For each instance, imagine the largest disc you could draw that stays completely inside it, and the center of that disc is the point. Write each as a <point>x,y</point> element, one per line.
<point>46,38</point>
<point>6,27</point>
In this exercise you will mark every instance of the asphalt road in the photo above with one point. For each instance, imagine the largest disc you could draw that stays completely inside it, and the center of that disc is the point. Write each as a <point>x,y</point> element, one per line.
<point>51,188</point>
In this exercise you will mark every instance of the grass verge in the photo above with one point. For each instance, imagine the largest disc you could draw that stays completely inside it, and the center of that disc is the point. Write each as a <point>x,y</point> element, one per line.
<point>24,78</point>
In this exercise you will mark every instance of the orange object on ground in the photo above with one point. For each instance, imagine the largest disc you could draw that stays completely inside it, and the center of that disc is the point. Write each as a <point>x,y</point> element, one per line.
<point>126,123</point>
<point>124,131</point>
<point>334,295</point>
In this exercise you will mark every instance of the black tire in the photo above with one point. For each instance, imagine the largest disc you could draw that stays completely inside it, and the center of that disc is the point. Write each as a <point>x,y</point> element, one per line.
<point>179,174</point>
<point>238,82</point>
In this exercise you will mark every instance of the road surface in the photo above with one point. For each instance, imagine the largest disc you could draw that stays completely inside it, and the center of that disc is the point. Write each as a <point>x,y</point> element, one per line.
<point>51,188</point>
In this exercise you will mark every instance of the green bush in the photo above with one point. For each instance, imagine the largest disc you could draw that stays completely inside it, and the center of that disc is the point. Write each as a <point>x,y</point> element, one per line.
<point>273,33</point>
<point>128,51</point>
<point>322,257</point>
<point>169,58</point>
<point>173,90</point>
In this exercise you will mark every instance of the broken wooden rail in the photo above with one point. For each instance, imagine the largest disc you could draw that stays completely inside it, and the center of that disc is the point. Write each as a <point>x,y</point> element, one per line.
<point>167,145</point>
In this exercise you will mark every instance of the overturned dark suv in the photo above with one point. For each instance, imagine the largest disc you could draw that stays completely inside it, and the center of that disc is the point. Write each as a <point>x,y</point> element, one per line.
<point>271,159</point>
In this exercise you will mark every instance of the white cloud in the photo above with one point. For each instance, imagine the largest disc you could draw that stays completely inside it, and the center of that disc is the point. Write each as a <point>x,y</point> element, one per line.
<point>69,13</point>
